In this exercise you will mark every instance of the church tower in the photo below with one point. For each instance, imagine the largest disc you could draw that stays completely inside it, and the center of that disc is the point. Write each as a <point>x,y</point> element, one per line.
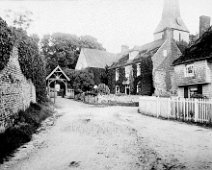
<point>171,24</point>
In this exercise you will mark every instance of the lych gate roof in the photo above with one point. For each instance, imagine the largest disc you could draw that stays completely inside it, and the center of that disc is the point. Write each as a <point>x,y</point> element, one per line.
<point>98,58</point>
<point>57,72</point>
<point>171,17</point>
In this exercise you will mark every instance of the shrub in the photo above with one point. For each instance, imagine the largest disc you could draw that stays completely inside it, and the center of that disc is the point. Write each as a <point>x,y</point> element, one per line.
<point>6,43</point>
<point>103,89</point>
<point>25,125</point>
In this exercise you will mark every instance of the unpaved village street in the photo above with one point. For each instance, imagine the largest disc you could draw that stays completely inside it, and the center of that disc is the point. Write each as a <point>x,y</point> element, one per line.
<point>117,138</point>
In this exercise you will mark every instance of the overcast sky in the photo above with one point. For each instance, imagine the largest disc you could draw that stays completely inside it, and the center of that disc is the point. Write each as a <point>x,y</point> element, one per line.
<point>112,22</point>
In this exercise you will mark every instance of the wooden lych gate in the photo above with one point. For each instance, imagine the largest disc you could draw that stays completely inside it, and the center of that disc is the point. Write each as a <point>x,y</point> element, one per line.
<point>57,84</point>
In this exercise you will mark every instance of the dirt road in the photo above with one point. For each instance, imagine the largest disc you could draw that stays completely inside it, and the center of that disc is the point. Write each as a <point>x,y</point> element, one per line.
<point>118,138</point>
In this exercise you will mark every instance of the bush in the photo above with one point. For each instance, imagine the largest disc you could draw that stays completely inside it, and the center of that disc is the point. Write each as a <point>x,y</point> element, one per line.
<point>103,89</point>
<point>6,43</point>
<point>25,124</point>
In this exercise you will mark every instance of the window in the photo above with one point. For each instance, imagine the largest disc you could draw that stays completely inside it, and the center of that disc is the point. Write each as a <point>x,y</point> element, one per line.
<point>117,74</point>
<point>138,69</point>
<point>127,72</point>
<point>189,70</point>
<point>165,53</point>
<point>117,90</point>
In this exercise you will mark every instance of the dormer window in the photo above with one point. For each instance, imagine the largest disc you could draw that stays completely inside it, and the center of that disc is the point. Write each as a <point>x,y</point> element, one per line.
<point>189,70</point>
<point>133,54</point>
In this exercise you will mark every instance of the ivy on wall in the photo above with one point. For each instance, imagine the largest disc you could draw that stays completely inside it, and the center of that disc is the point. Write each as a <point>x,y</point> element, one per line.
<point>121,79</point>
<point>144,80</point>
<point>6,43</point>
<point>111,80</point>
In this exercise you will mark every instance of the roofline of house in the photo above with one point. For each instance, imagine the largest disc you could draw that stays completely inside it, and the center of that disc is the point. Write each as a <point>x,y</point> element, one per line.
<point>192,60</point>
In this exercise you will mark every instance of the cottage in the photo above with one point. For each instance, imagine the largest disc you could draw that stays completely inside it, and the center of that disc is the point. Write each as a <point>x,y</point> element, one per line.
<point>193,70</point>
<point>148,69</point>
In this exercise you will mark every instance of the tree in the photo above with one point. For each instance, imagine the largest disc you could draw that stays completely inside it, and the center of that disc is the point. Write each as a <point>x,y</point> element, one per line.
<point>39,78</point>
<point>6,43</point>
<point>19,19</point>
<point>104,76</point>
<point>64,49</point>
<point>80,80</point>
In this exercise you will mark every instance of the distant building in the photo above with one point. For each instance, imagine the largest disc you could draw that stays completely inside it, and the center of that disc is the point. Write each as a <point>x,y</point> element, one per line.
<point>193,70</point>
<point>95,61</point>
<point>152,62</point>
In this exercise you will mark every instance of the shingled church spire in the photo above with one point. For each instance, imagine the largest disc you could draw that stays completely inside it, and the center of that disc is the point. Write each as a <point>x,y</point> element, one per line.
<point>171,23</point>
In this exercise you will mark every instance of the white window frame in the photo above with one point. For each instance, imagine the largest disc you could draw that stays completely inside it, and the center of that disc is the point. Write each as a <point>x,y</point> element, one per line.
<point>128,69</point>
<point>117,74</point>
<point>189,70</point>
<point>138,69</point>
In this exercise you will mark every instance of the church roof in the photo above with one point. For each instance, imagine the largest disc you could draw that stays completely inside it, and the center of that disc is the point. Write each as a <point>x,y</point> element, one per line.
<point>98,58</point>
<point>200,50</point>
<point>171,17</point>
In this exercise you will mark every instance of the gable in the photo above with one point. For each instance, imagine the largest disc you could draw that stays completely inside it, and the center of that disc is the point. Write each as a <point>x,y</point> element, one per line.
<point>165,55</point>
<point>81,63</point>
<point>57,73</point>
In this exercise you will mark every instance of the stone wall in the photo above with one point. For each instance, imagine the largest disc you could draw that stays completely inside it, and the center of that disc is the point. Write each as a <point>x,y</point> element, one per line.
<point>16,92</point>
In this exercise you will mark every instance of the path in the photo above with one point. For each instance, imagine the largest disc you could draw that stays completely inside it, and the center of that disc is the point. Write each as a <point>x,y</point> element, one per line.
<point>100,138</point>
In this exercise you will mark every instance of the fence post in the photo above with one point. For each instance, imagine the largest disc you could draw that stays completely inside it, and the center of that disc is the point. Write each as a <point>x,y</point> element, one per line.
<point>158,106</point>
<point>169,107</point>
<point>196,110</point>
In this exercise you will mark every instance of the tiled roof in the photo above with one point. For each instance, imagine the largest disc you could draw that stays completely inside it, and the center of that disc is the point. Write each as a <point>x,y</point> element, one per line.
<point>145,50</point>
<point>98,58</point>
<point>200,50</point>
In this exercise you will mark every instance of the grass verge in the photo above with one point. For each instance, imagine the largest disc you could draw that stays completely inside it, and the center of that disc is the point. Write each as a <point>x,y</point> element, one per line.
<point>25,124</point>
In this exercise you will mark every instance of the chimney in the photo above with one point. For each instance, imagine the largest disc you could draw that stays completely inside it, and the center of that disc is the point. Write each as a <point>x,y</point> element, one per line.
<point>204,24</point>
<point>124,48</point>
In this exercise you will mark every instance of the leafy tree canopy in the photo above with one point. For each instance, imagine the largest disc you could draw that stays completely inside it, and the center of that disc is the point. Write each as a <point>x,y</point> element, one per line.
<point>80,80</point>
<point>63,49</point>
<point>6,43</point>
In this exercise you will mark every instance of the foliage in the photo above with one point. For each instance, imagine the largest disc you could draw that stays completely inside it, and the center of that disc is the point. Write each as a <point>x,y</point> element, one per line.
<point>121,79</point>
<point>81,81</point>
<point>19,19</point>
<point>64,49</point>
<point>104,75</point>
<point>39,78</point>
<point>97,72</point>
<point>6,43</point>
<point>31,62</point>
<point>144,80</point>
<point>111,80</point>
<point>27,49</point>
<point>25,124</point>
<point>103,89</point>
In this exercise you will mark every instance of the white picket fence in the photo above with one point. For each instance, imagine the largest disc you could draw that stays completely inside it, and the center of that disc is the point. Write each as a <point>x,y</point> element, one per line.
<point>197,110</point>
